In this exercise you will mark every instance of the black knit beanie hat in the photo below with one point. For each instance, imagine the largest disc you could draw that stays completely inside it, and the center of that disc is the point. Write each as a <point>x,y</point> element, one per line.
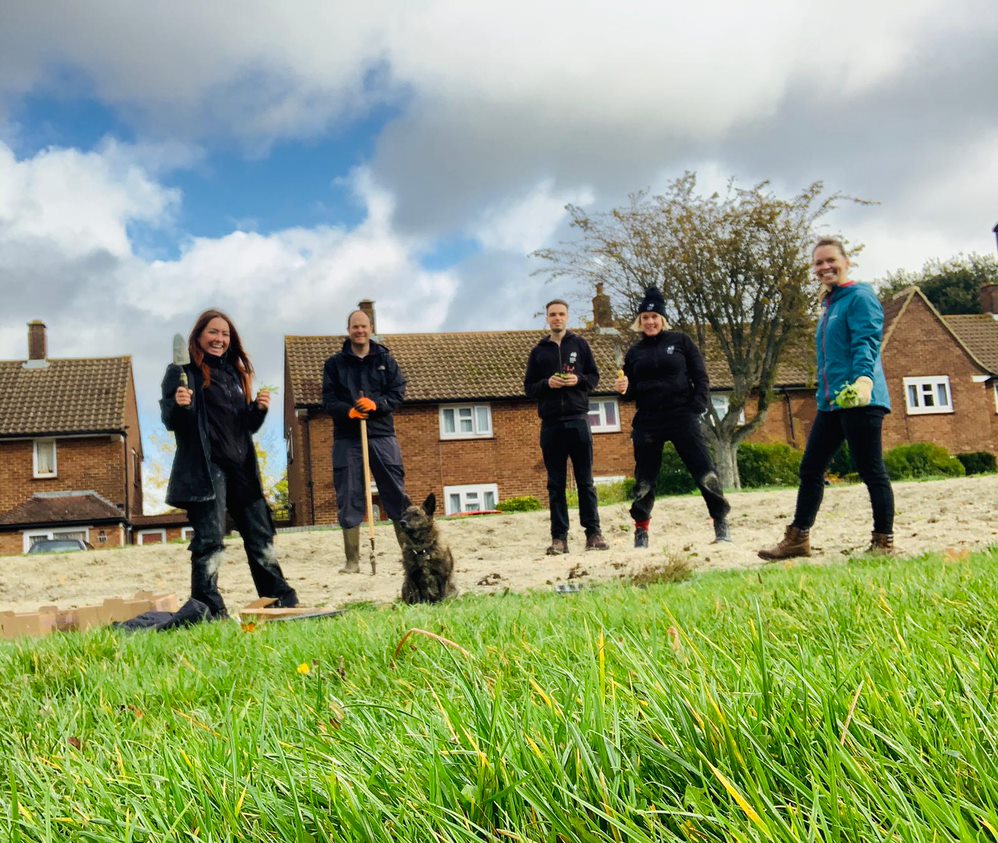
<point>652,302</point>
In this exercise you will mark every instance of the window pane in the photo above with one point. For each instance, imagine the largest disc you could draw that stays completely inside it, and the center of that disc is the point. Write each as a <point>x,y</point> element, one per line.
<point>927,399</point>
<point>455,503</point>
<point>593,417</point>
<point>610,409</point>
<point>464,420</point>
<point>449,421</point>
<point>490,500</point>
<point>484,419</point>
<point>46,457</point>
<point>941,395</point>
<point>912,395</point>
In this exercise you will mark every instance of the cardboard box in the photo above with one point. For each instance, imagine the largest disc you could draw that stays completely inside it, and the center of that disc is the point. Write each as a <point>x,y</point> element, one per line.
<point>50,619</point>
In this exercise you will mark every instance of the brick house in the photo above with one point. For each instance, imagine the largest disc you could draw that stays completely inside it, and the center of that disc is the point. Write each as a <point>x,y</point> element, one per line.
<point>467,431</point>
<point>70,448</point>
<point>942,373</point>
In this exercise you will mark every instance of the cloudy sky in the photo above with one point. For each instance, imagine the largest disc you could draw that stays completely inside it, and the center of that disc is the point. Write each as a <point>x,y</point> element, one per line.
<point>284,160</point>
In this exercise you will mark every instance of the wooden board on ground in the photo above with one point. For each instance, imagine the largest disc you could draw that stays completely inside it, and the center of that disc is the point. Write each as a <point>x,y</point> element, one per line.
<point>254,613</point>
<point>50,619</point>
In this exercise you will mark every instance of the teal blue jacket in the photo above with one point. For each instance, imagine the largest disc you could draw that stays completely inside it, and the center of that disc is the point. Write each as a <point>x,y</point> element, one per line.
<point>847,342</point>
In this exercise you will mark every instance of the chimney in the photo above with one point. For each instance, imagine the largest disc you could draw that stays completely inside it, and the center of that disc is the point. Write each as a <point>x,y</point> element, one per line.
<point>989,299</point>
<point>367,305</point>
<point>602,312</point>
<point>36,340</point>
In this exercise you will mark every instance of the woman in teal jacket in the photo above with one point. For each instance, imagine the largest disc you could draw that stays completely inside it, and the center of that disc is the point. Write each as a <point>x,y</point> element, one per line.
<point>852,402</point>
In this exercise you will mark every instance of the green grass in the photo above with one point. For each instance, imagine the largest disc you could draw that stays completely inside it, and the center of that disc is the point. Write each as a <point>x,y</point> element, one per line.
<point>854,702</point>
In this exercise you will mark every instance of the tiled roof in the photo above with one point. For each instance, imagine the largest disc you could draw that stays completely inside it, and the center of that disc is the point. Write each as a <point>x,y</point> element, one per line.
<point>64,396</point>
<point>979,333</point>
<point>62,508</point>
<point>481,365</point>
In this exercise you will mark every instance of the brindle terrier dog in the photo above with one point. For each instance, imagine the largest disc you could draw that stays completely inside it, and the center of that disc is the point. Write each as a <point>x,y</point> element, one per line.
<point>426,559</point>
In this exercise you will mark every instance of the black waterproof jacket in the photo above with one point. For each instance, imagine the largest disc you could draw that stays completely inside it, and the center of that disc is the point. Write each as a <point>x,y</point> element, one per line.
<point>667,377</point>
<point>377,376</point>
<point>547,358</point>
<point>190,480</point>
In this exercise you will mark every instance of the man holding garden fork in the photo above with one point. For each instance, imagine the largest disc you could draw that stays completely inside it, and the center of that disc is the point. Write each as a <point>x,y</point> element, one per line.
<point>363,383</point>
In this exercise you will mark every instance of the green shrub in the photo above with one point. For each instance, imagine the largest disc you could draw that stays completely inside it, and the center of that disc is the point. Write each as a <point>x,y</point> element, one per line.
<point>768,465</point>
<point>606,493</point>
<point>673,478</point>
<point>842,464</point>
<point>524,503</point>
<point>978,462</point>
<point>921,460</point>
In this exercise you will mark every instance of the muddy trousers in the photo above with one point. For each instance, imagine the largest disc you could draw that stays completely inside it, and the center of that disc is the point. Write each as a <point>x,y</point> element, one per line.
<point>560,442</point>
<point>348,478</point>
<point>254,524</point>
<point>685,434</point>
<point>862,428</point>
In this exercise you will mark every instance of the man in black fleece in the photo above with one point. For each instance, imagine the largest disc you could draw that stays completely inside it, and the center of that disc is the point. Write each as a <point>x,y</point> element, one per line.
<point>561,372</point>
<point>665,374</point>
<point>363,381</point>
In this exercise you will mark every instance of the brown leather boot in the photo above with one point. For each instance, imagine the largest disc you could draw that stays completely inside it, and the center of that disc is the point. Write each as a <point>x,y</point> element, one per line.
<point>558,546</point>
<point>795,543</point>
<point>881,544</point>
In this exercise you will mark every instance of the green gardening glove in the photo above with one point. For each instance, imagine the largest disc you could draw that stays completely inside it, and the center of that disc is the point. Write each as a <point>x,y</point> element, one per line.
<point>855,394</point>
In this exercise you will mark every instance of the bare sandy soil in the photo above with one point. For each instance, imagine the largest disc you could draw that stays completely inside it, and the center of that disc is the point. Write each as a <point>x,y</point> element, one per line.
<point>499,552</point>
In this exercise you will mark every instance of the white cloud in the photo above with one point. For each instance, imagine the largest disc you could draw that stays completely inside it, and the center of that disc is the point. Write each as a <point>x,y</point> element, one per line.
<point>526,222</point>
<point>78,202</point>
<point>263,71</point>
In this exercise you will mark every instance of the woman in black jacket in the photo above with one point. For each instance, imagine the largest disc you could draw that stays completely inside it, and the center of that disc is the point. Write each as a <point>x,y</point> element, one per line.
<point>208,406</point>
<point>665,374</point>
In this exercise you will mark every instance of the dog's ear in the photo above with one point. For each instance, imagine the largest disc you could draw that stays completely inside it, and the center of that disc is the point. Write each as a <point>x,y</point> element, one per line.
<point>430,504</point>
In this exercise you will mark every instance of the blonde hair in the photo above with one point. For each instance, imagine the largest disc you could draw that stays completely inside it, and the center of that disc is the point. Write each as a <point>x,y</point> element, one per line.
<point>636,324</point>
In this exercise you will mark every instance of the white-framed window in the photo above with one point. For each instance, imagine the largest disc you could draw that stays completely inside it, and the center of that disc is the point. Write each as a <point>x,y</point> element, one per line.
<point>479,498</point>
<point>996,395</point>
<point>289,445</point>
<point>465,421</point>
<point>721,403</point>
<point>32,536</point>
<point>604,415</point>
<point>928,395</point>
<point>44,458</point>
<point>151,536</point>
<point>187,534</point>
<point>606,481</point>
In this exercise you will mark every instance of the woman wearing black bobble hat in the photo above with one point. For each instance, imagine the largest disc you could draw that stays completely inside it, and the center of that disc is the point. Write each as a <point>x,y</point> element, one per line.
<point>665,375</point>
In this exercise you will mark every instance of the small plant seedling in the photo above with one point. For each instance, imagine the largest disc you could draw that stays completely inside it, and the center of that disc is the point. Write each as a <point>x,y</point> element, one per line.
<point>847,397</point>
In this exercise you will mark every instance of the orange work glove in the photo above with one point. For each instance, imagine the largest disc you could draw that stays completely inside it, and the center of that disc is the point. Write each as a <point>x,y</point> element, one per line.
<point>356,414</point>
<point>365,405</point>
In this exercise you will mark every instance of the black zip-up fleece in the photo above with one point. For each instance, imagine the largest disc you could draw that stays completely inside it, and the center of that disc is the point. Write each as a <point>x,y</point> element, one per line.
<point>190,476</point>
<point>547,358</point>
<point>345,376</point>
<point>667,376</point>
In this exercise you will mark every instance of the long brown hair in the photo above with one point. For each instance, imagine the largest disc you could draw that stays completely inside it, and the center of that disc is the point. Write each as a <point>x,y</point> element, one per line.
<point>235,352</point>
